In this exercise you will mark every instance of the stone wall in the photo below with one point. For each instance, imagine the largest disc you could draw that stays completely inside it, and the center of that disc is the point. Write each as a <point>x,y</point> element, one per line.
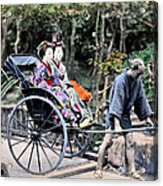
<point>146,153</point>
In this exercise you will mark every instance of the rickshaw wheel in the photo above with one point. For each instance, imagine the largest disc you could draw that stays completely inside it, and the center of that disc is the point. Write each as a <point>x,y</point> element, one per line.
<point>78,141</point>
<point>35,127</point>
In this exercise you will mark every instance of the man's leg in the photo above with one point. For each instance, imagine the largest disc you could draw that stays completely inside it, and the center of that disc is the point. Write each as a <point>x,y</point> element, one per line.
<point>107,142</point>
<point>130,156</point>
<point>130,152</point>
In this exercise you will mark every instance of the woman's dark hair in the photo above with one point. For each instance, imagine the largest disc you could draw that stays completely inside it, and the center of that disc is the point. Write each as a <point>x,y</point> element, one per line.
<point>41,49</point>
<point>58,43</point>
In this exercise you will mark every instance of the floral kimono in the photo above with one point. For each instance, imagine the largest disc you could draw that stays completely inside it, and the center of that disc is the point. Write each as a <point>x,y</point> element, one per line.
<point>45,77</point>
<point>77,104</point>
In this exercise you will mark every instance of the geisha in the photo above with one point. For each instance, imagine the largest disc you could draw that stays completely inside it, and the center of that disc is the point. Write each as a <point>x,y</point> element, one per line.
<point>51,74</point>
<point>45,77</point>
<point>76,102</point>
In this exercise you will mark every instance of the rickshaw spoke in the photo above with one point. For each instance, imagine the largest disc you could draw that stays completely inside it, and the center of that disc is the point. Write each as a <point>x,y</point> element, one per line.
<point>40,118</point>
<point>20,141</point>
<point>48,133</point>
<point>44,141</point>
<point>86,135</point>
<point>55,141</point>
<point>31,107</point>
<point>49,130</point>
<point>70,146</point>
<point>31,155</point>
<point>38,157</point>
<point>22,132</point>
<point>33,111</point>
<point>42,106</point>
<point>45,154</point>
<point>29,121</point>
<point>53,144</point>
<point>46,119</point>
<point>24,150</point>
<point>78,142</point>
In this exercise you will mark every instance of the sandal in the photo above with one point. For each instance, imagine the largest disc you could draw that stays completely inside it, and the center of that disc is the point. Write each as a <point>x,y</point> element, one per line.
<point>137,176</point>
<point>98,174</point>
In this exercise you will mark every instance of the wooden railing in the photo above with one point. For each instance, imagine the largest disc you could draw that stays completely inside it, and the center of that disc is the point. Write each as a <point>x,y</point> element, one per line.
<point>5,113</point>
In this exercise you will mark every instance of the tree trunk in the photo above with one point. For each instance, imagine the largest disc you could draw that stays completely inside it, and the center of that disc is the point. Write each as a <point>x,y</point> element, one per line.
<point>107,76</point>
<point>72,44</point>
<point>113,30</point>
<point>122,47</point>
<point>106,83</point>
<point>94,74</point>
<point>96,36</point>
<point>111,43</point>
<point>106,80</point>
<point>17,36</point>
<point>100,60</point>
<point>96,54</point>
<point>102,36</point>
<point>4,35</point>
<point>96,42</point>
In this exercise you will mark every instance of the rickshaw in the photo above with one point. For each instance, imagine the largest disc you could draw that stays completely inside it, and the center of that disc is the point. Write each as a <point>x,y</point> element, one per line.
<point>38,135</point>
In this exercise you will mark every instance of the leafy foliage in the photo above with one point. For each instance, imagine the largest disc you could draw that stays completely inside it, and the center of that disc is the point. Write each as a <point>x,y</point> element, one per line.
<point>7,83</point>
<point>112,64</point>
<point>42,21</point>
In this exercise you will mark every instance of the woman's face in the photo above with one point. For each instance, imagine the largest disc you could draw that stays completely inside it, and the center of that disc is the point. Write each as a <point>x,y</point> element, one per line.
<point>49,54</point>
<point>58,53</point>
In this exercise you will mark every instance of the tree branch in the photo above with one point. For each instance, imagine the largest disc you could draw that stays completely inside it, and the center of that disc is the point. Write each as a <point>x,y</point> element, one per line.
<point>17,36</point>
<point>145,22</point>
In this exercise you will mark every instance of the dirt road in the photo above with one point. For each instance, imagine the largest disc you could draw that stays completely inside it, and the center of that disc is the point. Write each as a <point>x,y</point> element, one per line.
<point>77,168</point>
